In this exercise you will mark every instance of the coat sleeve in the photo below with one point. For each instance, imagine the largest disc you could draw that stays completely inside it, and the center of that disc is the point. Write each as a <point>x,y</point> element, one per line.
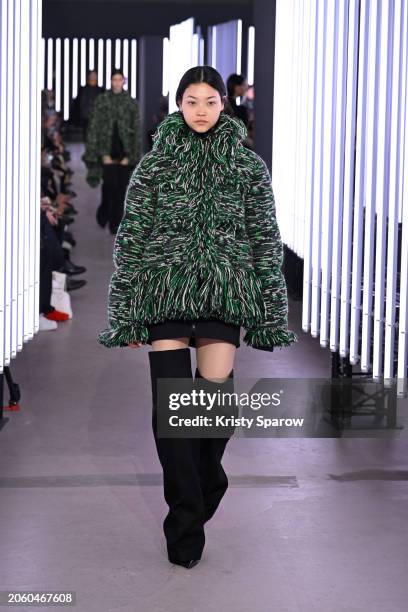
<point>267,251</point>
<point>130,241</point>
<point>136,144</point>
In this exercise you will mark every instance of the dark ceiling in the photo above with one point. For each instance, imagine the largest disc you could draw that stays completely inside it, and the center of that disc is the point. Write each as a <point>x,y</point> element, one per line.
<point>134,18</point>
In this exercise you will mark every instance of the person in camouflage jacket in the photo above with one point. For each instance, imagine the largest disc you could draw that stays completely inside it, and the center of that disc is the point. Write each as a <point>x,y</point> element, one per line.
<point>113,148</point>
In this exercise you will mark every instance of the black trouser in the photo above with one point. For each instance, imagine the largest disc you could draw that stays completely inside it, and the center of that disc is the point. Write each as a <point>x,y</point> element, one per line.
<point>115,180</point>
<point>51,258</point>
<point>85,123</point>
<point>193,478</point>
<point>45,281</point>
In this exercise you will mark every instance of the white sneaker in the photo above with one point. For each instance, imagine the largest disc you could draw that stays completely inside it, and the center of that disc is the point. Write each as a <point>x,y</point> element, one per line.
<point>45,324</point>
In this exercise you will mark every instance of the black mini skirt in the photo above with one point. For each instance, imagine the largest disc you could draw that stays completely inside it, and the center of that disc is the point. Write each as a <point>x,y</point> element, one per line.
<point>199,328</point>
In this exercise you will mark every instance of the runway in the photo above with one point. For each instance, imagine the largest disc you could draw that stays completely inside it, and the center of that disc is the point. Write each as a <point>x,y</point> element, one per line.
<point>307,524</point>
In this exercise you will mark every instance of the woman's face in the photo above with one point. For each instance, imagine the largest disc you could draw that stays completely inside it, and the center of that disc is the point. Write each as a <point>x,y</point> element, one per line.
<point>201,106</point>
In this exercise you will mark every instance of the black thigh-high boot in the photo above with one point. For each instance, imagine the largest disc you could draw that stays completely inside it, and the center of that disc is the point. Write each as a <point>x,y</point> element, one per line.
<point>180,458</point>
<point>214,480</point>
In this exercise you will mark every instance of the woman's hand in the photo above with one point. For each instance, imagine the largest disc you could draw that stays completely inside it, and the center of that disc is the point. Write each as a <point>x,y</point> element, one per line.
<point>106,159</point>
<point>45,203</point>
<point>134,344</point>
<point>124,162</point>
<point>51,217</point>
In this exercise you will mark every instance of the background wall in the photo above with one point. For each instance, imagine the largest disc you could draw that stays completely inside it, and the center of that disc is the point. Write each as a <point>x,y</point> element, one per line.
<point>137,18</point>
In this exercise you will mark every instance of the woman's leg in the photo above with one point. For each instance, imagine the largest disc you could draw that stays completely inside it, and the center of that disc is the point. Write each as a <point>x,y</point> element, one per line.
<point>180,460</point>
<point>215,362</point>
<point>215,358</point>
<point>170,344</point>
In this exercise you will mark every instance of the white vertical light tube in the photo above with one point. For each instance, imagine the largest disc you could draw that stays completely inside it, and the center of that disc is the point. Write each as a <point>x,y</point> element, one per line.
<point>125,66</point>
<point>239,45</point>
<point>306,248</point>
<point>32,170</point>
<point>36,25</point>
<point>201,52</point>
<point>362,153</point>
<point>370,196</point>
<point>14,200</point>
<point>74,68</point>
<point>91,60</point>
<point>133,68</point>
<point>165,80</point>
<point>24,166</point>
<point>350,192</point>
<point>298,124</point>
<point>397,85</point>
<point>108,71</point>
<point>3,168</point>
<point>181,43</point>
<point>340,212</point>
<point>117,53</point>
<point>42,63</point>
<point>293,106</point>
<point>58,75</point>
<point>382,179</point>
<point>284,120</point>
<point>329,121</point>
<point>318,169</point>
<point>9,185</point>
<point>50,64</point>
<point>214,47</point>
<point>251,55</point>
<point>100,62</point>
<point>24,228</point>
<point>66,80</point>
<point>403,310</point>
<point>83,62</point>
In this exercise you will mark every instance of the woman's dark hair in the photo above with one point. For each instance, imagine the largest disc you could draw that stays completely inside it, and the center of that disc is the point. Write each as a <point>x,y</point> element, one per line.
<point>232,81</point>
<point>117,71</point>
<point>204,74</point>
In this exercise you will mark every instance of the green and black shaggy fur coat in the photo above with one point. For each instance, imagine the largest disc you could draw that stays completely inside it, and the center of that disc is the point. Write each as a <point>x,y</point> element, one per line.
<point>199,239</point>
<point>108,108</point>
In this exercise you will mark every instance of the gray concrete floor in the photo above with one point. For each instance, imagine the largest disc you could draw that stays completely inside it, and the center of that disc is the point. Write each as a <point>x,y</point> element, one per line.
<point>81,491</point>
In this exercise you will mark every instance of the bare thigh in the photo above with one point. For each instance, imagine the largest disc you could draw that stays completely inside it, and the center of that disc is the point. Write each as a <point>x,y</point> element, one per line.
<point>170,344</point>
<point>215,358</point>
